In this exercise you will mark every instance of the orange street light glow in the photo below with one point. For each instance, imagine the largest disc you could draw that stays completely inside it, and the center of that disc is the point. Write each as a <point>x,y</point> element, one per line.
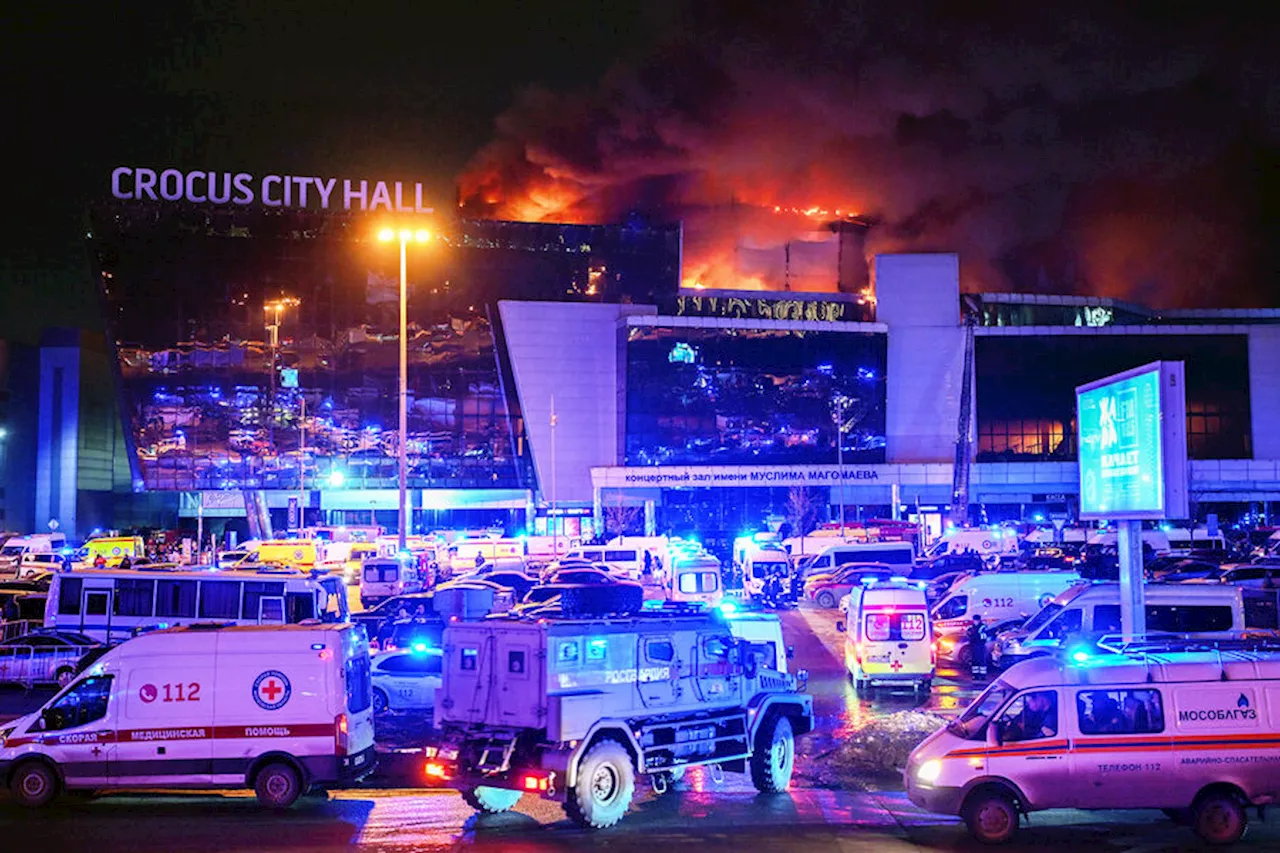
<point>386,235</point>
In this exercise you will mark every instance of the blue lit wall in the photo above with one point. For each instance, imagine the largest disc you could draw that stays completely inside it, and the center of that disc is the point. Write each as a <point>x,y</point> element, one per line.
<point>717,396</point>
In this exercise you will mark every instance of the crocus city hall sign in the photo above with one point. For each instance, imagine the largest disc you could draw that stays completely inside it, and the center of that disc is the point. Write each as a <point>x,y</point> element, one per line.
<point>242,188</point>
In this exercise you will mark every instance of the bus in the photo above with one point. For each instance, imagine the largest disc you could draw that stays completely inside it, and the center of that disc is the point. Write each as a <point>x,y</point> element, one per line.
<point>111,605</point>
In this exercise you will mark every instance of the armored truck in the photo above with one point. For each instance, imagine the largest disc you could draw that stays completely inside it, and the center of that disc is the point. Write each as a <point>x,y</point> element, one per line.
<point>576,707</point>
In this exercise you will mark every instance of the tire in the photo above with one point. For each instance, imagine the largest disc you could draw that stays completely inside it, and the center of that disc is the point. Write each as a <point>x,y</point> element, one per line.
<point>826,599</point>
<point>34,784</point>
<point>964,657</point>
<point>64,676</point>
<point>277,785</point>
<point>1219,819</point>
<point>381,702</point>
<point>992,816</point>
<point>606,784</point>
<point>482,798</point>
<point>774,756</point>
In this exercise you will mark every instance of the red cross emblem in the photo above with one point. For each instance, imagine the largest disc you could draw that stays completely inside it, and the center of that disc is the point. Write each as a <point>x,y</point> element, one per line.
<point>271,690</point>
<point>896,665</point>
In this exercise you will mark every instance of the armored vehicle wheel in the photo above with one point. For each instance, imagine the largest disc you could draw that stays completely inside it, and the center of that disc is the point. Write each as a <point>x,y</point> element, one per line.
<point>774,756</point>
<point>606,783</point>
<point>1218,818</point>
<point>826,599</point>
<point>490,800</point>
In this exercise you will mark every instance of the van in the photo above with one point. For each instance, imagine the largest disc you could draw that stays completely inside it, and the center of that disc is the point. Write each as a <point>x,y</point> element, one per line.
<point>695,578</point>
<point>888,639</point>
<point>15,548</point>
<point>466,555</point>
<point>277,709</point>
<point>382,578</point>
<point>1210,611</point>
<point>113,549</point>
<point>621,560</point>
<point>889,553</point>
<point>1193,733</point>
<point>298,553</point>
<point>762,563</point>
<point>993,545</point>
<point>997,597</point>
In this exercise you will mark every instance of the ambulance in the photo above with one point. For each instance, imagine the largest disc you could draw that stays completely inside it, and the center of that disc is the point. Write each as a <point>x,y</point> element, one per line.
<point>1193,732</point>
<point>113,549</point>
<point>277,709</point>
<point>888,637</point>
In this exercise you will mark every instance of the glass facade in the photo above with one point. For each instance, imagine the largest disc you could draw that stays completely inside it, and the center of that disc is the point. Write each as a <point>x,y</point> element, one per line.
<point>717,396</point>
<point>1026,390</point>
<point>262,352</point>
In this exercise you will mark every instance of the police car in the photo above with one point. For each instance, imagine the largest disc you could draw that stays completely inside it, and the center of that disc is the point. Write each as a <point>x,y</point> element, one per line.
<point>407,679</point>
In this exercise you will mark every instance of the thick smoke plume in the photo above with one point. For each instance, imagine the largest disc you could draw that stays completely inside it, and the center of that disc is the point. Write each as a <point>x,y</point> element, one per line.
<point>1124,150</point>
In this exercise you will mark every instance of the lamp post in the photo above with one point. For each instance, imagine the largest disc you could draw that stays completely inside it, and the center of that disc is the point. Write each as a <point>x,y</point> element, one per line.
<point>838,405</point>
<point>405,236</point>
<point>274,310</point>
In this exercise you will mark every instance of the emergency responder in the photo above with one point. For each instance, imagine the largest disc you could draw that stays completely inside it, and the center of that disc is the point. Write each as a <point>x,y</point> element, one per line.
<point>99,562</point>
<point>126,563</point>
<point>977,639</point>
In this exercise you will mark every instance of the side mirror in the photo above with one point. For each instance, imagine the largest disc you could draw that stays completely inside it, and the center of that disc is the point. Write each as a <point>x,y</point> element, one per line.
<point>994,737</point>
<point>840,626</point>
<point>791,652</point>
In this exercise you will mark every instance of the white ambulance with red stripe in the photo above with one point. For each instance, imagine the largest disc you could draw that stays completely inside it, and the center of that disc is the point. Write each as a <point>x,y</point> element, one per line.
<point>888,637</point>
<point>279,709</point>
<point>1195,733</point>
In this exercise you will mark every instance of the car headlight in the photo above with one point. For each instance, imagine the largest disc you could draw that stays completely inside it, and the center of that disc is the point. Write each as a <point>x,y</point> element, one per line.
<point>4,734</point>
<point>929,771</point>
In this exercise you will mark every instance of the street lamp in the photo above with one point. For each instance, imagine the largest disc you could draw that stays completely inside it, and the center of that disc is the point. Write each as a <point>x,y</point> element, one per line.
<point>405,236</point>
<point>838,405</point>
<point>274,309</point>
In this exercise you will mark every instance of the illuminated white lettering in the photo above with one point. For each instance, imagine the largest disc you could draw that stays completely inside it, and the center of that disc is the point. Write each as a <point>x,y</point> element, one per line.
<point>349,194</point>
<point>171,185</point>
<point>191,187</point>
<point>303,183</point>
<point>381,196</point>
<point>244,190</point>
<point>417,200</point>
<point>116,174</point>
<point>324,188</point>
<point>267,182</point>
<point>225,195</point>
<point>146,183</point>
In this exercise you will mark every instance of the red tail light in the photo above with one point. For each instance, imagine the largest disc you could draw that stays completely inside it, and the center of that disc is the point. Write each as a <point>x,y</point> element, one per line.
<point>857,653</point>
<point>436,770</point>
<point>341,741</point>
<point>535,783</point>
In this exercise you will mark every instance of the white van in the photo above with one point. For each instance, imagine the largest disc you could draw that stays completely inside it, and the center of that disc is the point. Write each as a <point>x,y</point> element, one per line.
<point>760,563</point>
<point>997,597</point>
<point>467,555</point>
<point>888,639</point>
<point>276,709</point>
<point>992,545</point>
<point>18,547</point>
<point>1213,611</point>
<point>382,578</point>
<point>621,560</point>
<point>695,578</point>
<point>1192,733</point>
<point>889,553</point>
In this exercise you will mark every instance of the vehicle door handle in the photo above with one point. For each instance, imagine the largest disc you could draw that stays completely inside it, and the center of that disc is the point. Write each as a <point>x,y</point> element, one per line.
<point>902,645</point>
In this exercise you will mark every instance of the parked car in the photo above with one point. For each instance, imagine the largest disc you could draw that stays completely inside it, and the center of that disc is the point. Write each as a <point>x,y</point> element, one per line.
<point>1183,570</point>
<point>518,582</point>
<point>407,679</point>
<point>1254,576</point>
<point>827,590</point>
<point>44,656</point>
<point>582,575</point>
<point>946,564</point>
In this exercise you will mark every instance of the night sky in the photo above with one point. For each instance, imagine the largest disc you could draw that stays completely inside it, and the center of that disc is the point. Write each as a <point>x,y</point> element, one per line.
<point>1123,149</point>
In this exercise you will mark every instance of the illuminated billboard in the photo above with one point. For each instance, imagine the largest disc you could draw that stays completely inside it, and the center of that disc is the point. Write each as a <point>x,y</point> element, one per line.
<point>1132,433</point>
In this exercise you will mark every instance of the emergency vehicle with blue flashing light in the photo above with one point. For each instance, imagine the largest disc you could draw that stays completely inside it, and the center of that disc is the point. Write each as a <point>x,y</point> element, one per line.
<point>1192,729</point>
<point>277,709</point>
<point>888,637</point>
<point>575,706</point>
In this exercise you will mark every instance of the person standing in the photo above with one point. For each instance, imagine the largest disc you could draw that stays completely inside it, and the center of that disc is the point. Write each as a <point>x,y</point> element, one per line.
<point>977,639</point>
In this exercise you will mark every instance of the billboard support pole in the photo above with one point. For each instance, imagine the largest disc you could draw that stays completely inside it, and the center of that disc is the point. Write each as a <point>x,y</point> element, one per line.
<point>1133,611</point>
